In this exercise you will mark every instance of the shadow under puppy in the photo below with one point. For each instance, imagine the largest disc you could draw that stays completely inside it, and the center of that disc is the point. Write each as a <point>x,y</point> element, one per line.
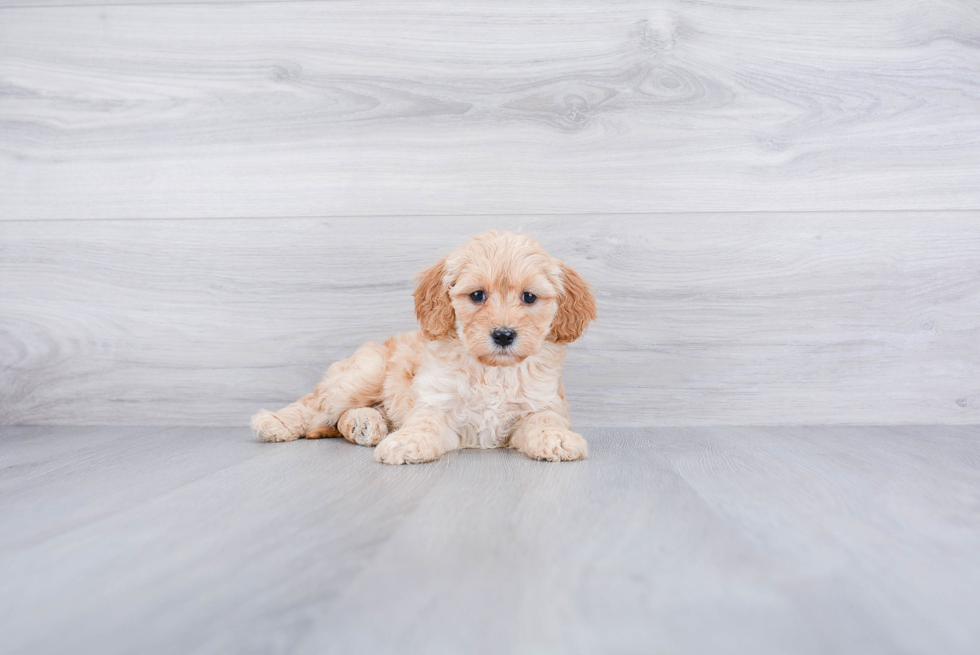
<point>484,371</point>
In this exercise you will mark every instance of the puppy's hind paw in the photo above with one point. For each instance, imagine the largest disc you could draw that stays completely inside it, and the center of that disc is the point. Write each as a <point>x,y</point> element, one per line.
<point>365,426</point>
<point>268,427</point>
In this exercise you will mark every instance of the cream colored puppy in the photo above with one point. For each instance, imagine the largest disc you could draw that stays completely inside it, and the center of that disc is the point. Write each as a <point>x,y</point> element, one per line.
<point>483,372</point>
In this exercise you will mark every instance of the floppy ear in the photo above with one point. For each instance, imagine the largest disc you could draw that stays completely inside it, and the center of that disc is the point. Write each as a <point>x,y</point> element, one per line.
<point>432,306</point>
<point>576,307</point>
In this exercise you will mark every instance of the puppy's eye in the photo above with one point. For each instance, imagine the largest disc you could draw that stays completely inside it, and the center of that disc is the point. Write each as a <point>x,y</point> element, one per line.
<point>478,296</point>
<point>528,298</point>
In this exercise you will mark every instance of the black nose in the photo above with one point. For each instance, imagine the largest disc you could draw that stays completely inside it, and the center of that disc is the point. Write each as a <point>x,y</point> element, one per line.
<point>503,336</point>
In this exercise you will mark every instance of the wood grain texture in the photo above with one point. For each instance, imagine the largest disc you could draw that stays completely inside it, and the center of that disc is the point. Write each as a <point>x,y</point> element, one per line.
<point>392,108</point>
<point>183,539</point>
<point>704,319</point>
<point>686,540</point>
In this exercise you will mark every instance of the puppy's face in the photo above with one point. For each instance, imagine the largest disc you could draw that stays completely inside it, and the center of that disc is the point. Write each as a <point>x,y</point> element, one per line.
<point>503,313</point>
<point>503,296</point>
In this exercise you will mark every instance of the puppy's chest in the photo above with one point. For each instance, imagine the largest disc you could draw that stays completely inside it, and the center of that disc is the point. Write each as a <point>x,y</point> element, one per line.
<point>485,416</point>
<point>484,412</point>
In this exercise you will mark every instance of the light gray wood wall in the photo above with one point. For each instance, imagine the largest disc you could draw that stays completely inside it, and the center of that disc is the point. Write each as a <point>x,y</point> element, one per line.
<point>202,205</point>
<point>403,108</point>
<point>725,318</point>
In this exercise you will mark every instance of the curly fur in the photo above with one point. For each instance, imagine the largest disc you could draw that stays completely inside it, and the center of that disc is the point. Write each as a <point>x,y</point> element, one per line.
<point>449,385</point>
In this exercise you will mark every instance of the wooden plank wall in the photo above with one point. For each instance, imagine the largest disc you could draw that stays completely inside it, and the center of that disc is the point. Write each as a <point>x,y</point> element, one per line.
<point>202,205</point>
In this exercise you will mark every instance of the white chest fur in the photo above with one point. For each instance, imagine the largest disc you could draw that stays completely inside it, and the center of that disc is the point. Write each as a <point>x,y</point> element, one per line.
<point>484,404</point>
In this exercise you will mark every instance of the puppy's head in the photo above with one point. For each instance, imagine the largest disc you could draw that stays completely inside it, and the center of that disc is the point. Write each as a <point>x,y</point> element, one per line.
<point>503,296</point>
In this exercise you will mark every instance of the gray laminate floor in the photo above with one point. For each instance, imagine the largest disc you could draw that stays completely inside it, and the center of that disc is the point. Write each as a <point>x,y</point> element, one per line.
<point>708,540</point>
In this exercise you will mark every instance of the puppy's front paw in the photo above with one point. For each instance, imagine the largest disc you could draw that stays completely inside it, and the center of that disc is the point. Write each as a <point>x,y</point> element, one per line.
<point>555,445</point>
<point>364,425</point>
<point>267,427</point>
<point>408,447</point>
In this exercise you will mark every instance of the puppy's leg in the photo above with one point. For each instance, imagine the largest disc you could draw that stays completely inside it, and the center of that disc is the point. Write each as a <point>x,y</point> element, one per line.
<point>548,436</point>
<point>353,382</point>
<point>363,425</point>
<point>289,423</point>
<point>424,437</point>
<point>325,431</point>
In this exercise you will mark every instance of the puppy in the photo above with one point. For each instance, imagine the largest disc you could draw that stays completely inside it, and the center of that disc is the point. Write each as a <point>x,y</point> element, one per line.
<point>484,371</point>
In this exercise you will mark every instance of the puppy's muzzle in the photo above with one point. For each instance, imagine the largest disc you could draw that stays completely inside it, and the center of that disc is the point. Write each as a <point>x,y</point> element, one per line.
<point>503,336</point>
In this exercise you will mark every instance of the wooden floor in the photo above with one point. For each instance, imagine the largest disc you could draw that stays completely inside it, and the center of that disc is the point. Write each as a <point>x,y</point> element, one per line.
<point>693,540</point>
